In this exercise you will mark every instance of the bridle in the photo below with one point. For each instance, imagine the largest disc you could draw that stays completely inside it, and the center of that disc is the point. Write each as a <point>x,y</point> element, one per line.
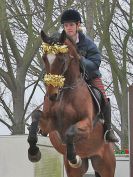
<point>59,80</point>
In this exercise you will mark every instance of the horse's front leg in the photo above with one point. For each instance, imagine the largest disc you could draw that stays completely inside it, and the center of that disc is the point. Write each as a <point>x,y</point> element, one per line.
<point>74,160</point>
<point>34,153</point>
<point>78,131</point>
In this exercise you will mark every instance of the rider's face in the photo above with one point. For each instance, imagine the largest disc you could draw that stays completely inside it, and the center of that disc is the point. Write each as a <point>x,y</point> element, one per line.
<point>71,28</point>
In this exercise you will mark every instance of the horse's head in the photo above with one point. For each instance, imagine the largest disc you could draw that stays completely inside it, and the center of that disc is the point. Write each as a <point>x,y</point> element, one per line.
<point>57,55</point>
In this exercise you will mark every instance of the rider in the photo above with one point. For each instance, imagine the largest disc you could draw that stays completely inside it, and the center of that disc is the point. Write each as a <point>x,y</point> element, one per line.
<point>90,60</point>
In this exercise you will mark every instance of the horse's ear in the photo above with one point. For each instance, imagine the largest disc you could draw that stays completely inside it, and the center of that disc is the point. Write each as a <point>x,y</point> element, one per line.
<point>45,38</point>
<point>62,37</point>
<point>43,35</point>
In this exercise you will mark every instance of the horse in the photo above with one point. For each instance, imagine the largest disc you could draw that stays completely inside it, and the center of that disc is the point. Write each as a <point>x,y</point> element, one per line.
<point>69,113</point>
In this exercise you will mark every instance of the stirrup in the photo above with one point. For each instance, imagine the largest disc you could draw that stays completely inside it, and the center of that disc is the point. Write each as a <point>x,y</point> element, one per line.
<point>107,140</point>
<point>105,134</point>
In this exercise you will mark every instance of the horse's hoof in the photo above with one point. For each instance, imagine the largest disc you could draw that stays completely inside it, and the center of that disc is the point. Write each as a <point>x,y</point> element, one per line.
<point>34,158</point>
<point>78,164</point>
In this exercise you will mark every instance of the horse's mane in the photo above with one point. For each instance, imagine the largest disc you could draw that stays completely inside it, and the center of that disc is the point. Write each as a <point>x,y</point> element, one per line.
<point>71,44</point>
<point>69,38</point>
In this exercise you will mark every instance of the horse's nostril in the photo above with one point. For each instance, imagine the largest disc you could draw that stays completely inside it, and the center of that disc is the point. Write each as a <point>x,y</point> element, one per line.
<point>53,97</point>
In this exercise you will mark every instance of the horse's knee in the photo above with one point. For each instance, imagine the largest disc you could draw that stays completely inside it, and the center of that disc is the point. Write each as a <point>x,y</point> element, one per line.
<point>36,115</point>
<point>70,133</point>
<point>33,128</point>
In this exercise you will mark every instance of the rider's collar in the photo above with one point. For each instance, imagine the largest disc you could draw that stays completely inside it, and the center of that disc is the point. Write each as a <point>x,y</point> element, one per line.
<point>77,38</point>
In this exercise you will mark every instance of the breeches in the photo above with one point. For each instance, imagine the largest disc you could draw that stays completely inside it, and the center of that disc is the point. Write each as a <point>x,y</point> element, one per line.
<point>97,82</point>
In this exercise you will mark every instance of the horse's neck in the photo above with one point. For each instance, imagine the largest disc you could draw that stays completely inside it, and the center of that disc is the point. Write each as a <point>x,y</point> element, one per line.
<point>73,72</point>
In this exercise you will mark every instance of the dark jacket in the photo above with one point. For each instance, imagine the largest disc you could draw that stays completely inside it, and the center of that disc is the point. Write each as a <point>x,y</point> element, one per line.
<point>90,56</point>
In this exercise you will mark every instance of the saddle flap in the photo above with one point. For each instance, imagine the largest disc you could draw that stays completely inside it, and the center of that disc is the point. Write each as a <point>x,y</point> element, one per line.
<point>97,97</point>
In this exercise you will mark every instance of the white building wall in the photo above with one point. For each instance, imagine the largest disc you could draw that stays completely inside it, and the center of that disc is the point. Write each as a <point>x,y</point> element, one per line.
<point>13,157</point>
<point>14,160</point>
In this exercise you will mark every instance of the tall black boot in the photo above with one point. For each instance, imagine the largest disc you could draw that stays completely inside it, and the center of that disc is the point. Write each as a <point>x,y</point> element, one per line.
<point>109,135</point>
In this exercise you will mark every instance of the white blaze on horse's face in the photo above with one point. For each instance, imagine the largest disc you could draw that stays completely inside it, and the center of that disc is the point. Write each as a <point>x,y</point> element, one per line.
<point>51,57</point>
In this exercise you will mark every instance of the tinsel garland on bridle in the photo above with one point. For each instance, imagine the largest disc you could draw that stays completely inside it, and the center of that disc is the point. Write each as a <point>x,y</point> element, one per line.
<point>52,79</point>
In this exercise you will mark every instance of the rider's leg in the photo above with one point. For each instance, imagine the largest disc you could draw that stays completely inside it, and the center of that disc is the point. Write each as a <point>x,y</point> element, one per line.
<point>109,133</point>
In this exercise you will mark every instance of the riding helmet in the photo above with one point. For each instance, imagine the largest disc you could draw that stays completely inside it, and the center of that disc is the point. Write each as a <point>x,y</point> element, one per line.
<point>70,15</point>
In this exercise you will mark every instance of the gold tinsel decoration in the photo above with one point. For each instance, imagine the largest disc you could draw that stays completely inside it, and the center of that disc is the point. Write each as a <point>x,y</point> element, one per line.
<point>54,49</point>
<point>54,80</point>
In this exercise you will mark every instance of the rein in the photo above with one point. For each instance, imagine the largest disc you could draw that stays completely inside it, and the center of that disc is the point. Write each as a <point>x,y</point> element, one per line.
<point>74,84</point>
<point>71,87</point>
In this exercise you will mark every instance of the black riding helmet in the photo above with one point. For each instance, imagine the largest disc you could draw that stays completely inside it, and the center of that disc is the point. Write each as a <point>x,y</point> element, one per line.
<point>70,15</point>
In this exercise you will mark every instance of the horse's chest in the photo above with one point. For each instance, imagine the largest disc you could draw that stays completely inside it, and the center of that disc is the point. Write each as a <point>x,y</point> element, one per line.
<point>64,110</point>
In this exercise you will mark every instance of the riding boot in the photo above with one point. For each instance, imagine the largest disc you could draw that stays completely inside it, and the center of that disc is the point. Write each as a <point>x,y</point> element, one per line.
<point>109,135</point>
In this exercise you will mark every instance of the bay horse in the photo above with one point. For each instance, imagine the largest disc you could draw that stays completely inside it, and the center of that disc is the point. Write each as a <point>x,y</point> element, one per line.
<point>69,112</point>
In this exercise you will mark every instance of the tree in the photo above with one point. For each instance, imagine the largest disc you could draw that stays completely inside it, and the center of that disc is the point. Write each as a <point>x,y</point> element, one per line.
<point>21,67</point>
<point>20,25</point>
<point>114,26</point>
